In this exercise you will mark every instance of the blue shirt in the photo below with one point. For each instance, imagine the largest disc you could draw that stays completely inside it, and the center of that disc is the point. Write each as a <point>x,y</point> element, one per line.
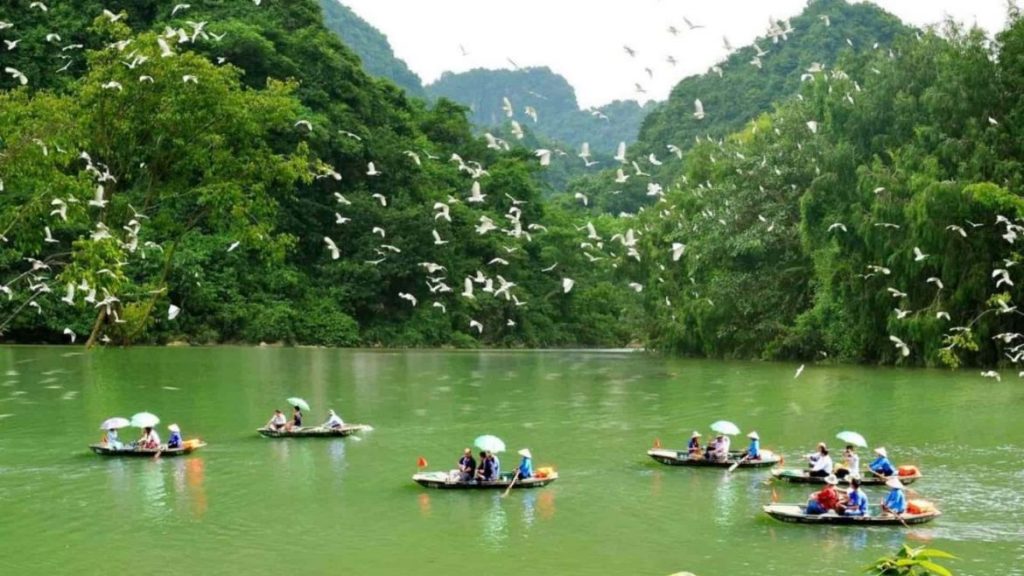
<point>175,440</point>
<point>858,505</point>
<point>526,468</point>
<point>896,501</point>
<point>755,448</point>
<point>882,466</point>
<point>497,466</point>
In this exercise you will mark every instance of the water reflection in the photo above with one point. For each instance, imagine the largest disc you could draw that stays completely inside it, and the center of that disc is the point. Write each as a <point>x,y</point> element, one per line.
<point>336,452</point>
<point>495,524</point>
<point>189,476</point>
<point>424,502</point>
<point>154,490</point>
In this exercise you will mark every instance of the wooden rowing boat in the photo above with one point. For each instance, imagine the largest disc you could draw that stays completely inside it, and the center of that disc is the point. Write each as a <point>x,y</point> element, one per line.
<point>682,458</point>
<point>801,477</point>
<point>796,513</point>
<point>313,431</point>
<point>449,481</point>
<point>188,448</point>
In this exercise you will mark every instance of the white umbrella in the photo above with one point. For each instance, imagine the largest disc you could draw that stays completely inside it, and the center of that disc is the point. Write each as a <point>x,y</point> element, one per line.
<point>489,443</point>
<point>144,420</point>
<point>852,438</point>
<point>115,423</point>
<point>298,402</point>
<point>725,427</point>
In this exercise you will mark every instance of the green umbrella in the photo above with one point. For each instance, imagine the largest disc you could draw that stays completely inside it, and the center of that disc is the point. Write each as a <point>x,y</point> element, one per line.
<point>298,402</point>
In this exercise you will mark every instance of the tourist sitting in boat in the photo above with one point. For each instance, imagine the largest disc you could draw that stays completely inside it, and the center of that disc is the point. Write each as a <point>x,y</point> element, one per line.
<point>895,501</point>
<point>111,439</point>
<point>175,439</point>
<point>720,452</point>
<point>496,465</point>
<point>277,421</point>
<point>333,420</point>
<point>856,503</point>
<point>825,499</point>
<point>149,440</point>
<point>483,468</point>
<point>467,466</point>
<point>296,419</point>
<point>821,466</point>
<point>711,448</point>
<point>851,463</point>
<point>526,464</point>
<point>693,449</point>
<point>753,452</point>
<point>813,456</point>
<point>881,465</point>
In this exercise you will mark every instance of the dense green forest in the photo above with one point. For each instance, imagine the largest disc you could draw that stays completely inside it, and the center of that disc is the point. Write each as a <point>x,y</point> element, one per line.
<point>213,182</point>
<point>231,173</point>
<point>875,218</point>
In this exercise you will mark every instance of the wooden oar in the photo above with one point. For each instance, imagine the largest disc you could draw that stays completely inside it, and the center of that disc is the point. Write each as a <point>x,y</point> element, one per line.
<point>513,483</point>
<point>738,462</point>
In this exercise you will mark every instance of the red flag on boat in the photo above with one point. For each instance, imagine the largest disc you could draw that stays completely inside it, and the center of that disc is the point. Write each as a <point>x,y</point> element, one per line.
<point>657,442</point>
<point>421,462</point>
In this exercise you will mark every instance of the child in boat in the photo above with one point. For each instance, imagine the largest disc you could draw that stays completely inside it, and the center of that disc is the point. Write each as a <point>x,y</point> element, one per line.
<point>526,464</point>
<point>693,449</point>
<point>175,440</point>
<point>277,421</point>
<point>333,420</point>
<point>881,465</point>
<point>825,499</point>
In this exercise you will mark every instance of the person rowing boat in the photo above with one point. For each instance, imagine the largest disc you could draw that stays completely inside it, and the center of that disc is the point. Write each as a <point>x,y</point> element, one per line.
<point>333,420</point>
<point>881,466</point>
<point>895,501</point>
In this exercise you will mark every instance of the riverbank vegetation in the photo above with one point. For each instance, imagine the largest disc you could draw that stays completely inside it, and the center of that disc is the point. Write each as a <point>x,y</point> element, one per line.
<point>229,173</point>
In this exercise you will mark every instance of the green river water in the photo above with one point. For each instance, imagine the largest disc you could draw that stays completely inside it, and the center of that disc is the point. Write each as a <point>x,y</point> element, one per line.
<point>249,505</point>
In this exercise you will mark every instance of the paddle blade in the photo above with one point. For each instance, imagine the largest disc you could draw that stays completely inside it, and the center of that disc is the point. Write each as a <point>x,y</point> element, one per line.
<point>421,463</point>
<point>775,496</point>
<point>657,442</point>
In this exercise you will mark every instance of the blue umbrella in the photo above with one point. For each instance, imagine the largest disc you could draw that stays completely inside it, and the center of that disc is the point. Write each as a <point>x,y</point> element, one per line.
<point>725,427</point>
<point>852,438</point>
<point>489,443</point>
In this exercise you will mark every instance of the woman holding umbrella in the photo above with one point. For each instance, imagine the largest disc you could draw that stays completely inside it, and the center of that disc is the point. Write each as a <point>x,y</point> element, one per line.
<point>299,405</point>
<point>111,426</point>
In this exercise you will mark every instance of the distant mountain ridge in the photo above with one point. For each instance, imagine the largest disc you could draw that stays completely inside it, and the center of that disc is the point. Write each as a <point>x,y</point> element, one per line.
<point>559,116</point>
<point>371,45</point>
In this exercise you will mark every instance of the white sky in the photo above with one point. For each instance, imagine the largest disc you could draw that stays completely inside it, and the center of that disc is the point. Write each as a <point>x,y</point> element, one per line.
<point>583,39</point>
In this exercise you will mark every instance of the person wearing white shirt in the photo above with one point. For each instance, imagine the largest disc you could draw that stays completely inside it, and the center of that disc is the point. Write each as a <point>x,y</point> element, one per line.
<point>821,467</point>
<point>333,420</point>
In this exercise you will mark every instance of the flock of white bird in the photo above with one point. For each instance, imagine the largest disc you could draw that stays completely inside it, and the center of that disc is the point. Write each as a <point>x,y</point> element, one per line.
<point>593,246</point>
